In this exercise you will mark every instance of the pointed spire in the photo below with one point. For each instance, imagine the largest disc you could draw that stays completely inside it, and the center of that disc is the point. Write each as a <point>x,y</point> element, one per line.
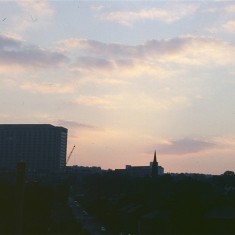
<point>155,156</point>
<point>155,165</point>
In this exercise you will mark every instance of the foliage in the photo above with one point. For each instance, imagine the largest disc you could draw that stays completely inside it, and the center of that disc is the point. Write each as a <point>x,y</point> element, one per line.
<point>165,205</point>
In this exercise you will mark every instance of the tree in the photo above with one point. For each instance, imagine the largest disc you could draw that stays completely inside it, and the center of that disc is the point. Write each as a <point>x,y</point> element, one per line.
<point>229,173</point>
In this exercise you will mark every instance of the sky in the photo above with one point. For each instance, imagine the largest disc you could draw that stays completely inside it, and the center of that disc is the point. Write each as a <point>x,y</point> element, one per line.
<point>125,78</point>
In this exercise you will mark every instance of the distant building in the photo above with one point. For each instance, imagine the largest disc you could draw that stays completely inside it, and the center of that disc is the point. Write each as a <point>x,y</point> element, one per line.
<point>79,173</point>
<point>42,147</point>
<point>138,171</point>
<point>83,170</point>
<point>152,170</point>
<point>154,167</point>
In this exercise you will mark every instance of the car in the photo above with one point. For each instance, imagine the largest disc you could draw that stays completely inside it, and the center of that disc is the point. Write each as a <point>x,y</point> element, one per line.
<point>102,229</point>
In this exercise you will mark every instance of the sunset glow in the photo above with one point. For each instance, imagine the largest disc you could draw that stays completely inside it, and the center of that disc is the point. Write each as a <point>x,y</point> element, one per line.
<point>125,78</point>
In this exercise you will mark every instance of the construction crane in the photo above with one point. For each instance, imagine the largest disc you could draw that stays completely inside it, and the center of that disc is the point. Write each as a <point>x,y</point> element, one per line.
<point>70,154</point>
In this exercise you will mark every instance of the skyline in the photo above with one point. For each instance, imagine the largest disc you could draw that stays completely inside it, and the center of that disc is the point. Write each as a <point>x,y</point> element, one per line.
<point>125,78</point>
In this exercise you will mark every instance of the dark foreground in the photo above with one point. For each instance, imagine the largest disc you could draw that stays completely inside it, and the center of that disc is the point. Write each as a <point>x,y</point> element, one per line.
<point>122,205</point>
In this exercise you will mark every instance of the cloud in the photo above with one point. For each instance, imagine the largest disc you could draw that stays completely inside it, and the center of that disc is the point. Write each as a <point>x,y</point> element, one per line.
<point>165,15</point>
<point>104,102</point>
<point>105,69</point>
<point>184,146</point>
<point>4,117</point>
<point>31,15</point>
<point>230,26</point>
<point>41,7</point>
<point>8,42</point>
<point>97,7</point>
<point>114,50</point>
<point>227,7</point>
<point>95,47</point>
<point>74,125</point>
<point>154,57</point>
<point>50,88</point>
<point>79,132</point>
<point>16,52</point>
<point>93,63</point>
<point>230,8</point>
<point>185,47</point>
<point>37,11</point>
<point>133,102</point>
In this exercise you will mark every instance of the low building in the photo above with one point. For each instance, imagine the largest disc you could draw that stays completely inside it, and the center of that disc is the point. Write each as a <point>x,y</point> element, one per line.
<point>138,171</point>
<point>152,170</point>
<point>82,171</point>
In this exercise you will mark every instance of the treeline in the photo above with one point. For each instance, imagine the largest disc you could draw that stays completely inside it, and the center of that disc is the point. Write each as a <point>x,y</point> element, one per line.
<point>165,205</point>
<point>44,209</point>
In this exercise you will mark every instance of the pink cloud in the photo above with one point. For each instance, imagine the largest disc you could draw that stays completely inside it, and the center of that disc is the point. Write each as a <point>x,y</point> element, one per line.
<point>185,146</point>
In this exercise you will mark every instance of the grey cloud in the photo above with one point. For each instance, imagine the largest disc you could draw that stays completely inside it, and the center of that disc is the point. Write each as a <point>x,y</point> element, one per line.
<point>124,62</point>
<point>121,55</point>
<point>93,62</point>
<point>108,56</point>
<point>149,48</point>
<point>184,146</point>
<point>8,42</point>
<point>112,49</point>
<point>165,46</point>
<point>73,124</point>
<point>14,51</point>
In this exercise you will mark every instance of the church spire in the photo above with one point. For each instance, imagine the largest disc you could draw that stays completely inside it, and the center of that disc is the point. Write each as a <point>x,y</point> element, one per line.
<point>155,156</point>
<point>155,165</point>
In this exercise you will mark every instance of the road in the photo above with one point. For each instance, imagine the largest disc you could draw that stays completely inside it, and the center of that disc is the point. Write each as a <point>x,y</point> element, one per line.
<point>89,222</point>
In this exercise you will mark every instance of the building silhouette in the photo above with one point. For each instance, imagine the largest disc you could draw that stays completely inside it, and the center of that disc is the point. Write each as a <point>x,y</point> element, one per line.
<point>42,147</point>
<point>152,170</point>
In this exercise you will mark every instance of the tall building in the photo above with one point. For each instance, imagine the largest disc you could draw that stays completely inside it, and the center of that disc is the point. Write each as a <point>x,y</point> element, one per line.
<point>42,147</point>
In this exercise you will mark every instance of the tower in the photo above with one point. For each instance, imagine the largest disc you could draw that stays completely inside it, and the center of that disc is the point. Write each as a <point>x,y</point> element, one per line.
<point>154,166</point>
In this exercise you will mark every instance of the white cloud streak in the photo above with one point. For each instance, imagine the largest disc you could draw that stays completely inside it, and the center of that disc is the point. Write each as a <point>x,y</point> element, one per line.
<point>165,15</point>
<point>47,88</point>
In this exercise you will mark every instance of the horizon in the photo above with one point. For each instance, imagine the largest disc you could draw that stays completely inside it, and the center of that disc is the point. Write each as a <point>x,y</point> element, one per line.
<point>124,78</point>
